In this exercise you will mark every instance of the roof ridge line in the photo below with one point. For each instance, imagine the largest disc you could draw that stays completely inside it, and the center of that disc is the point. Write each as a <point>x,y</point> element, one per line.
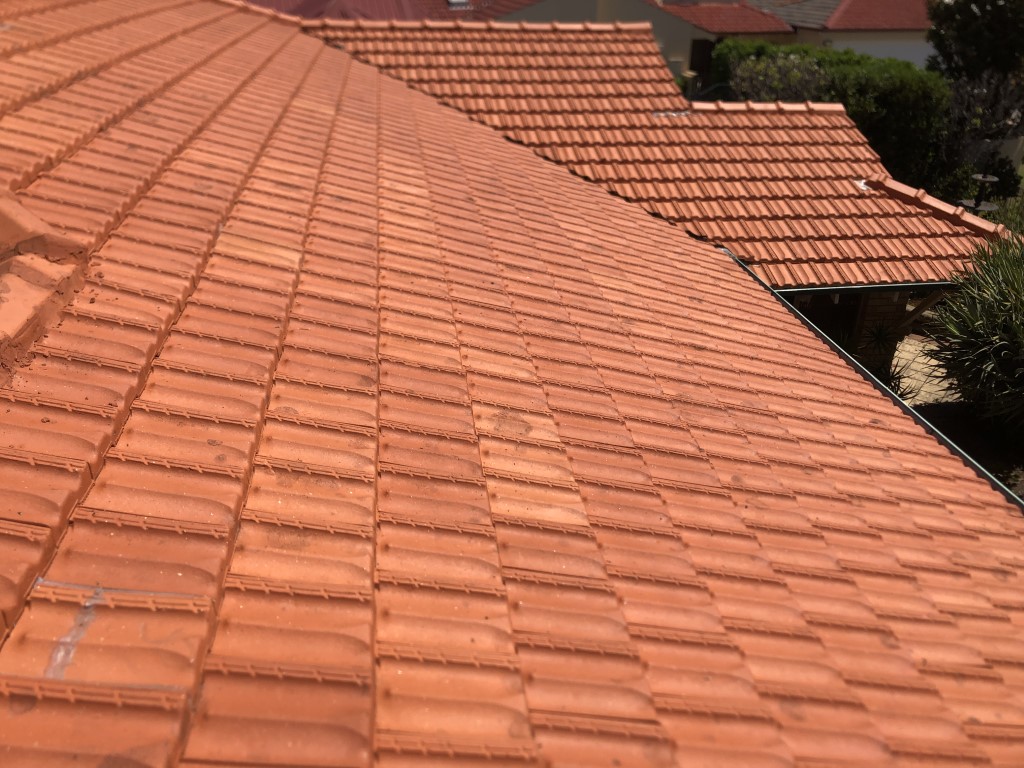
<point>245,5</point>
<point>461,24</point>
<point>840,8</point>
<point>767,106</point>
<point>955,214</point>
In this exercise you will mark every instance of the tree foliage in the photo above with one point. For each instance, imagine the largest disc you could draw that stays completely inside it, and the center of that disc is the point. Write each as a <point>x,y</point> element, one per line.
<point>779,77</point>
<point>973,38</point>
<point>979,50</point>
<point>979,332</point>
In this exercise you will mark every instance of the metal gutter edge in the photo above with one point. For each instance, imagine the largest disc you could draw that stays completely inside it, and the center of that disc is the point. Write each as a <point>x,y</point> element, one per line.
<point>850,288</point>
<point>996,484</point>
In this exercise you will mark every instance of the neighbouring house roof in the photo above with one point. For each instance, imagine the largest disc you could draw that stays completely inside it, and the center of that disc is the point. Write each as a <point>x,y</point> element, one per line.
<point>870,15</point>
<point>780,184</point>
<point>396,9</point>
<point>851,15</point>
<point>726,18</point>
<point>366,437</point>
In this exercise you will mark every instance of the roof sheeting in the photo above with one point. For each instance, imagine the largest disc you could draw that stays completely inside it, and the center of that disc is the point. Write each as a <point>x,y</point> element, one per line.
<point>851,15</point>
<point>779,184</point>
<point>369,438</point>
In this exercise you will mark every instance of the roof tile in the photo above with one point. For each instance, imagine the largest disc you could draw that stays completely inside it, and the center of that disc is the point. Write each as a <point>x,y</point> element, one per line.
<point>726,18</point>
<point>801,159</point>
<point>358,403</point>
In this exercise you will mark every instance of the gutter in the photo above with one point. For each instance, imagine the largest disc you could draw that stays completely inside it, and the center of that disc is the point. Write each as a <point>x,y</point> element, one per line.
<point>852,288</point>
<point>996,484</point>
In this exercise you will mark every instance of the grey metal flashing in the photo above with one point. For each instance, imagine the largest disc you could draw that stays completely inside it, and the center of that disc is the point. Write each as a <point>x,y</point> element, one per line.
<point>931,429</point>
<point>855,288</point>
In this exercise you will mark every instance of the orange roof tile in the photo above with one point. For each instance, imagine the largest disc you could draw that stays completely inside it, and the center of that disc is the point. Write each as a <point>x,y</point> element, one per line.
<point>855,15</point>
<point>779,184</point>
<point>368,438</point>
<point>726,18</point>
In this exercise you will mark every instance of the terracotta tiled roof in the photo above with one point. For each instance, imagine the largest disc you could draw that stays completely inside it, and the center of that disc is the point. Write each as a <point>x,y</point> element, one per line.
<point>726,18</point>
<point>851,15</point>
<point>910,15</point>
<point>779,184</point>
<point>403,10</point>
<point>368,437</point>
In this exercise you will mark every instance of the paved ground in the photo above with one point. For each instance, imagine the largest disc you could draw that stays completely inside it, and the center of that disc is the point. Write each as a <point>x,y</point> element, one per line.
<point>997,450</point>
<point>913,352</point>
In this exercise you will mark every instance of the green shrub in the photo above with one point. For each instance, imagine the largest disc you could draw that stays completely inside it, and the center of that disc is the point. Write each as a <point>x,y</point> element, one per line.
<point>1010,214</point>
<point>902,110</point>
<point>779,77</point>
<point>979,332</point>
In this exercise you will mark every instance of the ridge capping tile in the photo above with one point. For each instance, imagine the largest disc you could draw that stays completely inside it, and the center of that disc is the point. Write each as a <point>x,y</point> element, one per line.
<point>921,199</point>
